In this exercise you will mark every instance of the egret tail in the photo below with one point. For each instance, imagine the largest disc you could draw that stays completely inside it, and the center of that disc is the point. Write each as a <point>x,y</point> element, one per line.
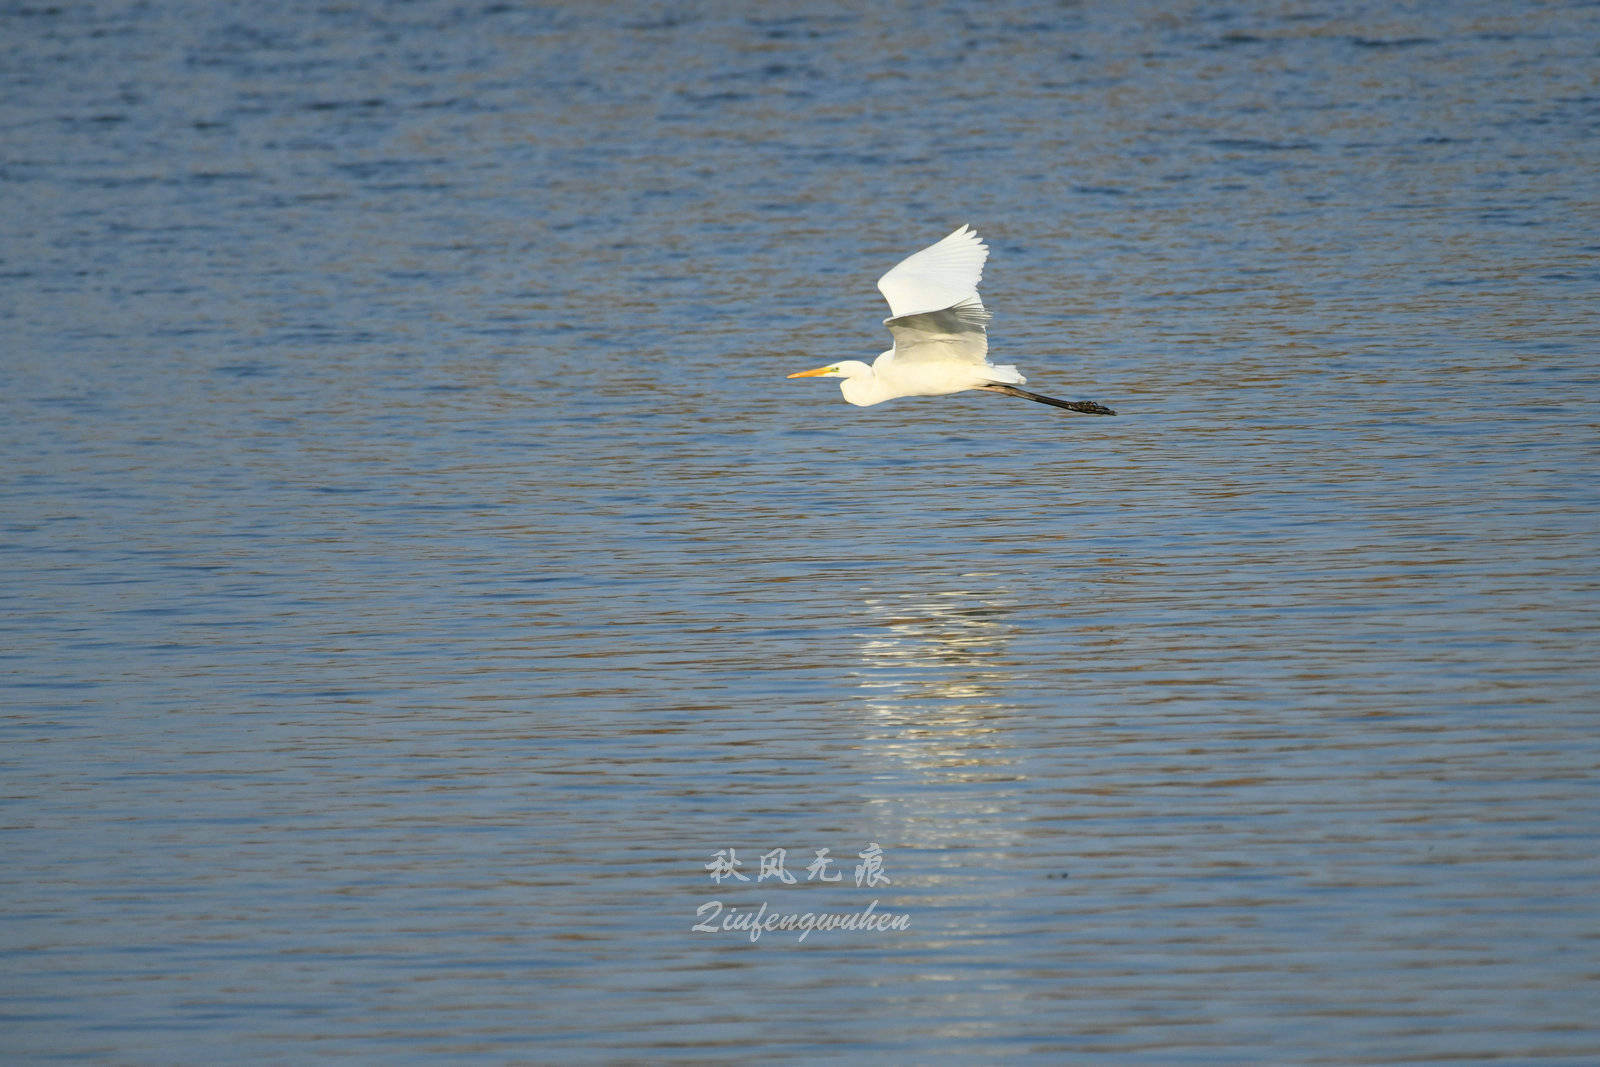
<point>1087,407</point>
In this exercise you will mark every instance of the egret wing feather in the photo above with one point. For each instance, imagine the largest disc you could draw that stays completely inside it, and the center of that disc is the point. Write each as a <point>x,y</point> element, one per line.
<point>950,335</point>
<point>938,277</point>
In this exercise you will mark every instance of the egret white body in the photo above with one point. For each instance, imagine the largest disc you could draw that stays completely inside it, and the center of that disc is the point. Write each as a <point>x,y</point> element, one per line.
<point>941,343</point>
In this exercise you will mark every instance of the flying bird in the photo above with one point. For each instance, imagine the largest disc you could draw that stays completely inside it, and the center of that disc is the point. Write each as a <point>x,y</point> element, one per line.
<point>940,341</point>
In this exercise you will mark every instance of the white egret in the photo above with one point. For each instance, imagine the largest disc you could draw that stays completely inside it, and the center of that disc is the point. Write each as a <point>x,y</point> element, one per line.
<point>940,344</point>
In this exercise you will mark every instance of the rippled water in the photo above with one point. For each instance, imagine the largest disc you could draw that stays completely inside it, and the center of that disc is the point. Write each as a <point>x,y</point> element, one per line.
<point>416,567</point>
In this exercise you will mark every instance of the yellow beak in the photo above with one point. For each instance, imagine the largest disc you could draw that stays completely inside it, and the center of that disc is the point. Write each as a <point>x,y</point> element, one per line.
<point>813,373</point>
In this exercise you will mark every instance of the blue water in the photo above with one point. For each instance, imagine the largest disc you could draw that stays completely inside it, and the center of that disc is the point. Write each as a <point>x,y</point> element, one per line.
<point>415,566</point>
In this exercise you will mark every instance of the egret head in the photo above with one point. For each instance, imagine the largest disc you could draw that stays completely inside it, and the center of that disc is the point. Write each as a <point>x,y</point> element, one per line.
<point>860,385</point>
<point>850,368</point>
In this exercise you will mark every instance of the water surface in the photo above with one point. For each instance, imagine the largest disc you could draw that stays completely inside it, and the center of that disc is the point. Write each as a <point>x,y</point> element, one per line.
<point>416,567</point>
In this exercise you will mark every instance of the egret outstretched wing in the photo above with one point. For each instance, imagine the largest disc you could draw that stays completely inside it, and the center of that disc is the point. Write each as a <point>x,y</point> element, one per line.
<point>936,313</point>
<point>938,277</point>
<point>954,335</point>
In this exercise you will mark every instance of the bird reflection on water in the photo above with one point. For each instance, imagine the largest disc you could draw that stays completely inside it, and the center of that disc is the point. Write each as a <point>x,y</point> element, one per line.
<point>930,675</point>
